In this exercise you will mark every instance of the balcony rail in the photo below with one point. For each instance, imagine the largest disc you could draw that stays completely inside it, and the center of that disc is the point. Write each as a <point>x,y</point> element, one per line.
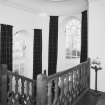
<point>62,88</point>
<point>16,89</point>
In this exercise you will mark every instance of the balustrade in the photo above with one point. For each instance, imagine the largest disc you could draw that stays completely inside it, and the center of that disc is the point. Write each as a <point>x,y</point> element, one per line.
<point>62,88</point>
<point>20,90</point>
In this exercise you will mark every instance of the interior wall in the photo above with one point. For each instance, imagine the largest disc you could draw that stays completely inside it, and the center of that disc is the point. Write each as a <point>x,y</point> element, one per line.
<point>97,39</point>
<point>22,20</point>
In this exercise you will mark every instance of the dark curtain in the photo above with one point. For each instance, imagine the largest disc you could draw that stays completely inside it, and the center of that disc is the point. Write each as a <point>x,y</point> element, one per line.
<point>6,45</point>
<point>84,37</point>
<point>53,44</point>
<point>37,53</point>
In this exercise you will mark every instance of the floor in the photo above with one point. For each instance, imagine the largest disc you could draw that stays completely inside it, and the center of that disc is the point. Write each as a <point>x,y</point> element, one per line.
<point>91,98</point>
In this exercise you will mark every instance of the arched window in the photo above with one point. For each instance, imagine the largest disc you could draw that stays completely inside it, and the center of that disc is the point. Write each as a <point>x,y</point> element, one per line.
<point>73,38</point>
<point>19,49</point>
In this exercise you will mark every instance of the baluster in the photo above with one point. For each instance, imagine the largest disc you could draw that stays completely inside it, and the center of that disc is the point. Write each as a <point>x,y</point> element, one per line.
<point>84,80</point>
<point>79,79</point>
<point>10,82</point>
<point>70,82</point>
<point>67,89</point>
<point>60,86</point>
<point>74,84</point>
<point>34,92</point>
<point>82,77</point>
<point>49,93</point>
<point>16,85</point>
<point>87,73</point>
<point>19,84</point>
<point>65,85</point>
<point>22,88</point>
<point>55,92</point>
<point>16,90</point>
<point>67,80</point>
<point>62,90</point>
<point>13,83</point>
<point>10,93</point>
<point>88,70</point>
<point>30,89</point>
<point>53,88</point>
<point>76,80</point>
<point>85,76</point>
<point>70,87</point>
<point>27,95</point>
<point>27,88</point>
<point>59,89</point>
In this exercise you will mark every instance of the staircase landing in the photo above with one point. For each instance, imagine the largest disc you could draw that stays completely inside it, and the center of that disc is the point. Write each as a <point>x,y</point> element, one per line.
<point>92,99</point>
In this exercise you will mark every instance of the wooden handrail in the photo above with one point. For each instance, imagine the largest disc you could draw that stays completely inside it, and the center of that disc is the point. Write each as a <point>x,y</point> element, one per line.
<point>18,90</point>
<point>66,71</point>
<point>20,76</point>
<point>64,87</point>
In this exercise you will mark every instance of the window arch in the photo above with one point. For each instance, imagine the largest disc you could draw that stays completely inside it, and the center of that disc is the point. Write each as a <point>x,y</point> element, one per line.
<point>73,38</point>
<point>19,50</point>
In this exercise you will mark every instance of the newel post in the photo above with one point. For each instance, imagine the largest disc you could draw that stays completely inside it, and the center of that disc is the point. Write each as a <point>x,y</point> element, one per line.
<point>3,84</point>
<point>41,89</point>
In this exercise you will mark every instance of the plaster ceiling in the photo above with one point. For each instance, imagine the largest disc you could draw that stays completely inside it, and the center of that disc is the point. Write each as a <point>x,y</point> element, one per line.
<point>50,7</point>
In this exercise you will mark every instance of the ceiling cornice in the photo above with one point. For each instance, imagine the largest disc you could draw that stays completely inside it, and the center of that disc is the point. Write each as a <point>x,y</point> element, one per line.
<point>49,8</point>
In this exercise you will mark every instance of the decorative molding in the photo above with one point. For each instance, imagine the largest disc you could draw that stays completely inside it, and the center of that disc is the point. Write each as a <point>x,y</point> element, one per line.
<point>51,8</point>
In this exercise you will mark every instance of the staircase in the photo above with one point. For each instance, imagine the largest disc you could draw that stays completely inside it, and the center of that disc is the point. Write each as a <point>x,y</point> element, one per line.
<point>63,88</point>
